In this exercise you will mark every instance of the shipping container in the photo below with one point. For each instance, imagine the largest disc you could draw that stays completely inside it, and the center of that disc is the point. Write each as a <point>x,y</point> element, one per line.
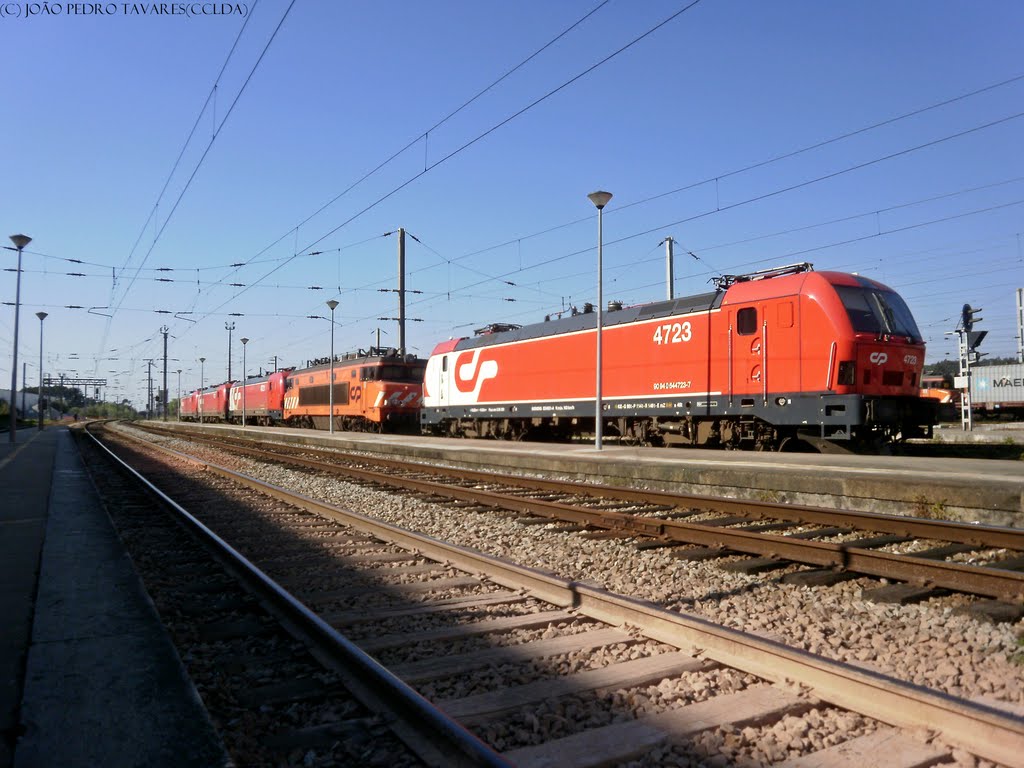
<point>998,389</point>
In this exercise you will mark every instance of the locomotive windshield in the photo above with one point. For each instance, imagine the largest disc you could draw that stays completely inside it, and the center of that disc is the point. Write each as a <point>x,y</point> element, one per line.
<point>880,312</point>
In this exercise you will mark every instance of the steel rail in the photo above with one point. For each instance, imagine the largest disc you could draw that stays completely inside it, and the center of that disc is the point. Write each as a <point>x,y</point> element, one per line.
<point>984,536</point>
<point>436,738</point>
<point>961,577</point>
<point>982,730</point>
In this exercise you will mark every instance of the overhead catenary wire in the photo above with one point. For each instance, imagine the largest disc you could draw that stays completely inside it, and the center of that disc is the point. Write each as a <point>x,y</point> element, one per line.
<point>421,136</point>
<point>763,196</point>
<point>755,165</point>
<point>188,139</point>
<point>766,161</point>
<point>758,164</point>
<point>209,146</point>
<point>473,141</point>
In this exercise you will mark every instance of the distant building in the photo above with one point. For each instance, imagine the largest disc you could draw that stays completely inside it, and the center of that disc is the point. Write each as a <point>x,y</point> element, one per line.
<point>31,405</point>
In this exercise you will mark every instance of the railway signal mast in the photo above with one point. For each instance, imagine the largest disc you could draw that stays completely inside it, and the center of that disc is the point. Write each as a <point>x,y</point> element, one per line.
<point>1020,325</point>
<point>968,342</point>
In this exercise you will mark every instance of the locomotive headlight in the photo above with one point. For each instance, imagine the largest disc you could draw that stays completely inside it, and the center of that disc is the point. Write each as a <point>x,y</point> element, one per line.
<point>781,401</point>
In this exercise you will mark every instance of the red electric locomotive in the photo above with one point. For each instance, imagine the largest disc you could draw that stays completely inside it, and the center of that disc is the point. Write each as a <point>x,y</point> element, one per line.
<point>375,390</point>
<point>777,359</point>
<point>188,407</point>
<point>262,401</point>
<point>207,405</point>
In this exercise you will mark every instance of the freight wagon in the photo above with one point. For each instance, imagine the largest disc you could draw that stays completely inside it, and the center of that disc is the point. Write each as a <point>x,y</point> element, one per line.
<point>998,390</point>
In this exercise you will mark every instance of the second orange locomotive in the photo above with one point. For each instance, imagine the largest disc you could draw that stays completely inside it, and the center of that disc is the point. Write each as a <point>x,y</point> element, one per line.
<point>378,391</point>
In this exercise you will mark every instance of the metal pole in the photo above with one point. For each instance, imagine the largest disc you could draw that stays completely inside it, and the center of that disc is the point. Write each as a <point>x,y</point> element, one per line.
<point>24,378</point>
<point>229,327</point>
<point>179,394</point>
<point>670,281</point>
<point>163,394</point>
<point>1020,325</point>
<point>331,382</point>
<point>202,371</point>
<point>330,421</point>
<point>600,200</point>
<point>20,241</point>
<point>245,341</point>
<point>39,404</point>
<point>598,404</point>
<point>401,291</point>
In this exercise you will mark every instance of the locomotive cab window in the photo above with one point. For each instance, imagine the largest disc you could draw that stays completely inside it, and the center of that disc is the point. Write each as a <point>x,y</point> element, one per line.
<point>880,312</point>
<point>746,321</point>
<point>403,373</point>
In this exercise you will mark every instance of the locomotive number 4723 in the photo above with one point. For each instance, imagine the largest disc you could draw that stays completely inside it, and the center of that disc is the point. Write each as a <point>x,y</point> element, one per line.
<point>673,333</point>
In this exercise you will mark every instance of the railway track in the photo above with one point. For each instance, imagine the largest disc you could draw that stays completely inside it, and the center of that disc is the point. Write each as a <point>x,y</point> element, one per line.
<point>635,676</point>
<point>281,686</point>
<point>926,557</point>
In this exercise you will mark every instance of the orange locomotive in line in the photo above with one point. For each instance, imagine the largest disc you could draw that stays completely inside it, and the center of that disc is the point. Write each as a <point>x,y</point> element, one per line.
<point>375,390</point>
<point>786,358</point>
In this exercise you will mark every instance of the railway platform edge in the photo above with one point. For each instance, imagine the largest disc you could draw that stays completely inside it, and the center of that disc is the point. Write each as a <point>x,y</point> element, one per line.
<point>90,676</point>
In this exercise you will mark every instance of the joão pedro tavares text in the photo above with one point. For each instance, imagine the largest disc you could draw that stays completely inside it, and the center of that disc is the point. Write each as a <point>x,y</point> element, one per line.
<point>27,10</point>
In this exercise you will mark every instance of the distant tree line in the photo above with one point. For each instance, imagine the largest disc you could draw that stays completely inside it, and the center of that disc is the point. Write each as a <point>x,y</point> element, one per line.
<point>952,367</point>
<point>72,400</point>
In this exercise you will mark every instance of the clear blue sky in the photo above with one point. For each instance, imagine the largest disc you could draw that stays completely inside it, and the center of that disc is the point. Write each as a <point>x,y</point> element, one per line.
<point>97,109</point>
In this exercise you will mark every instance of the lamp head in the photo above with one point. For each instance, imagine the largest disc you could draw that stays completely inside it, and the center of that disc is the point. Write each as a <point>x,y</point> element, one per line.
<point>41,315</point>
<point>20,241</point>
<point>244,341</point>
<point>600,199</point>
<point>332,304</point>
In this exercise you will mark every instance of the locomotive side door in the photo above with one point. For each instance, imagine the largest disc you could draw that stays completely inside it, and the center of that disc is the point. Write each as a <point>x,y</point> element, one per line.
<point>442,380</point>
<point>748,367</point>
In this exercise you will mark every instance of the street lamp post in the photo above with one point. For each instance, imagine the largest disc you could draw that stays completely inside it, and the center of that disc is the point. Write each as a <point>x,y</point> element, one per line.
<point>20,241</point>
<point>39,401</point>
<point>199,405</point>
<point>333,305</point>
<point>179,394</point>
<point>244,342</point>
<point>600,200</point>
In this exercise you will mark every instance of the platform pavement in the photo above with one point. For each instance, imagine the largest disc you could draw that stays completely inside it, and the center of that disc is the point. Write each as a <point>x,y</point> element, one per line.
<point>88,675</point>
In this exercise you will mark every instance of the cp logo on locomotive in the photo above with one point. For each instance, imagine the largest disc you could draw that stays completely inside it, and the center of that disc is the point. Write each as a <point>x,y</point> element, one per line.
<point>471,372</point>
<point>878,358</point>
